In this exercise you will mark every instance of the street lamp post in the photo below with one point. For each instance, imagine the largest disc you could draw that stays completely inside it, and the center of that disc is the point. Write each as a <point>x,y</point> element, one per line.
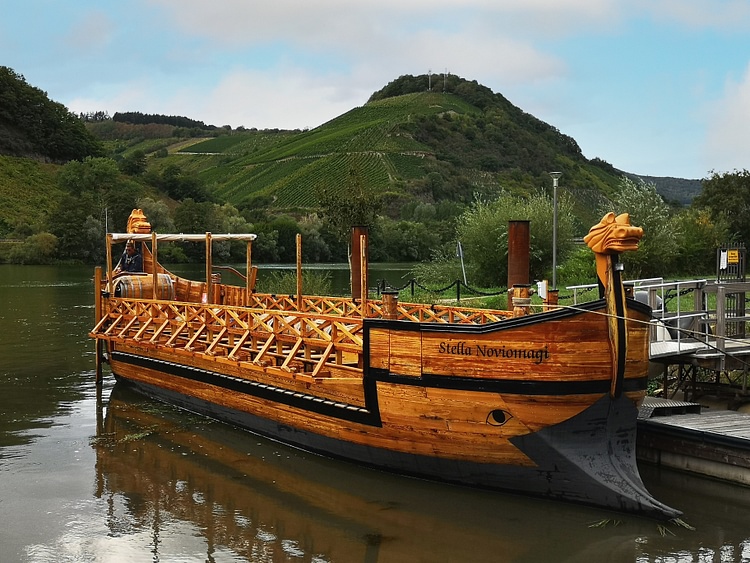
<point>555,178</point>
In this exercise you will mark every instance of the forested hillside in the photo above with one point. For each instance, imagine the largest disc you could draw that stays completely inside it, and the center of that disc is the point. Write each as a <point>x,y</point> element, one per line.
<point>32,125</point>
<point>409,163</point>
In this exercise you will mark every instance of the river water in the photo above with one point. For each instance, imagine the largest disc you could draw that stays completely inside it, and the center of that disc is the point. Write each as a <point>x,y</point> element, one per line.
<point>103,475</point>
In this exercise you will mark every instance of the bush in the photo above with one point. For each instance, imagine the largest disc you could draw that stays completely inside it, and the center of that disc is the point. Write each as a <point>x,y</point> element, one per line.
<point>578,269</point>
<point>36,249</point>
<point>662,232</point>
<point>483,231</point>
<point>314,282</point>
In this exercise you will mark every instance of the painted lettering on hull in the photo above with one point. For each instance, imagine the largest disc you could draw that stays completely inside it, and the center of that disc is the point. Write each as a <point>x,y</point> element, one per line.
<point>535,355</point>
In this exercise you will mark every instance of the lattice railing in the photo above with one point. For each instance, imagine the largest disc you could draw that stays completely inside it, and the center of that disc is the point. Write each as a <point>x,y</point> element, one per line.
<point>346,307</point>
<point>289,341</point>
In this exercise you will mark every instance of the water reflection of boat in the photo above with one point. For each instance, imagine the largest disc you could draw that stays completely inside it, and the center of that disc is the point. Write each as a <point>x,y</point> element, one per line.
<point>542,403</point>
<point>255,500</point>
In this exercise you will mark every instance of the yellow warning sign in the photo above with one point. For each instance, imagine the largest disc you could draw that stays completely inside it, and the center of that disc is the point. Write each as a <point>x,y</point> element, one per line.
<point>733,256</point>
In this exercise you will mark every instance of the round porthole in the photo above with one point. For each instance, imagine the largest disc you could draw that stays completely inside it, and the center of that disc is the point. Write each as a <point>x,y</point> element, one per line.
<point>498,417</point>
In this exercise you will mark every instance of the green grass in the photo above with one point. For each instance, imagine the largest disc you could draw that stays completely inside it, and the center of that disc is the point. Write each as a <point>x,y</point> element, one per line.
<point>38,184</point>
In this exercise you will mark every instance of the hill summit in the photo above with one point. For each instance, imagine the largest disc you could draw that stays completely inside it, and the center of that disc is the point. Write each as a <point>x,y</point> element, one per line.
<point>408,143</point>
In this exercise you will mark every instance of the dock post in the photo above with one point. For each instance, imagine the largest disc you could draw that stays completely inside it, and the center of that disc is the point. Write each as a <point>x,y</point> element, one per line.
<point>358,265</point>
<point>553,298</point>
<point>521,300</point>
<point>390,303</point>
<point>97,317</point>
<point>519,252</point>
<point>298,240</point>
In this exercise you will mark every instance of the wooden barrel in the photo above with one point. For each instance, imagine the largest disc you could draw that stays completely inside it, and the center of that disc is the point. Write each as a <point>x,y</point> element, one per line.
<point>141,287</point>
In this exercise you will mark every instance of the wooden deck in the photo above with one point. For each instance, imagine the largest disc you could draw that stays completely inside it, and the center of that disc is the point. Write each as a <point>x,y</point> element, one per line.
<point>702,441</point>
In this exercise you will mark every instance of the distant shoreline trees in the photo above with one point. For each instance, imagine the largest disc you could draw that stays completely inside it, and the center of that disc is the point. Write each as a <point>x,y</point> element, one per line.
<point>138,118</point>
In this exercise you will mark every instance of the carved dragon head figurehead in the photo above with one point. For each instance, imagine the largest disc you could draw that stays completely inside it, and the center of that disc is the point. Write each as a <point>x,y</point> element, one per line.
<point>137,222</point>
<point>610,237</point>
<point>613,235</point>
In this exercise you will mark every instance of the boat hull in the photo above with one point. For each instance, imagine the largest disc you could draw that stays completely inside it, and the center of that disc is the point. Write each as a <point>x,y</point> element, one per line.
<point>567,440</point>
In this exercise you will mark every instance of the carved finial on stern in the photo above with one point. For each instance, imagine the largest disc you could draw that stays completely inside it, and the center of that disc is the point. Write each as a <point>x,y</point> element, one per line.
<point>137,222</point>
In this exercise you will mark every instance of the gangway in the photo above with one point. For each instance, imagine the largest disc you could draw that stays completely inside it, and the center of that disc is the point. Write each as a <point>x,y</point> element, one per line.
<point>697,325</point>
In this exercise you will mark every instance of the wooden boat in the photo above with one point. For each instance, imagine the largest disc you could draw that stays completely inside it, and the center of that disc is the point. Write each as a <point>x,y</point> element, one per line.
<point>543,404</point>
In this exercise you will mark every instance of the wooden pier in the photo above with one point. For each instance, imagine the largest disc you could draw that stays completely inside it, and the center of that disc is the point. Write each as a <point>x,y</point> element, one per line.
<point>681,435</point>
<point>700,355</point>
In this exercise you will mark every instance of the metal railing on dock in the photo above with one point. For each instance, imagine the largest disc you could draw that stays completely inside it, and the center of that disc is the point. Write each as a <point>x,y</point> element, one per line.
<point>699,326</point>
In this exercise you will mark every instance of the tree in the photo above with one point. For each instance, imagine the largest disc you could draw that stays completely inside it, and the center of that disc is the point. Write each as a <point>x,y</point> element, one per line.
<point>157,214</point>
<point>181,186</point>
<point>352,206</point>
<point>67,224</point>
<point>314,246</point>
<point>193,217</point>
<point>36,249</point>
<point>134,164</point>
<point>659,246</point>
<point>701,236</point>
<point>726,197</point>
<point>40,125</point>
<point>483,232</point>
<point>287,230</point>
<point>406,241</point>
<point>98,185</point>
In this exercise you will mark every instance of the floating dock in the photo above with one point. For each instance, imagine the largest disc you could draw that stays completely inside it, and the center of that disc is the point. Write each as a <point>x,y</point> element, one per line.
<point>682,435</point>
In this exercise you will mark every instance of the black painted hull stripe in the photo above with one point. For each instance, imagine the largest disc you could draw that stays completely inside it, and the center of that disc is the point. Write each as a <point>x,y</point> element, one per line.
<point>599,306</point>
<point>289,397</point>
<point>370,415</point>
<point>512,386</point>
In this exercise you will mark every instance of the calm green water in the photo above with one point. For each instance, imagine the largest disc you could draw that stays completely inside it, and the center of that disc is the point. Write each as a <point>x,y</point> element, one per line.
<point>107,476</point>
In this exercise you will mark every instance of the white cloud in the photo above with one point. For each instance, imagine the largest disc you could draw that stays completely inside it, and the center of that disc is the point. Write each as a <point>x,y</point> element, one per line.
<point>360,25</point>
<point>134,95</point>
<point>701,14</point>
<point>288,99</point>
<point>727,140</point>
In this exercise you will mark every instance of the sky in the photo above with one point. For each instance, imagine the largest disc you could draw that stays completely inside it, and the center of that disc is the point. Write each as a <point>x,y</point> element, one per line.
<point>654,87</point>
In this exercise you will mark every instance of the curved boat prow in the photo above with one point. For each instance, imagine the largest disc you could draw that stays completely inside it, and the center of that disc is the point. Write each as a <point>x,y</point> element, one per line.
<point>591,459</point>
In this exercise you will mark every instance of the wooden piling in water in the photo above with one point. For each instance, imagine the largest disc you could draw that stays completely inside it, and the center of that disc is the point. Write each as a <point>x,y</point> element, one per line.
<point>97,317</point>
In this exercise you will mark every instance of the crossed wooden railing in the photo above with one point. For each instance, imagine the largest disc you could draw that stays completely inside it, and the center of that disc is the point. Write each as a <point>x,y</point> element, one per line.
<point>302,337</point>
<point>347,307</point>
<point>285,342</point>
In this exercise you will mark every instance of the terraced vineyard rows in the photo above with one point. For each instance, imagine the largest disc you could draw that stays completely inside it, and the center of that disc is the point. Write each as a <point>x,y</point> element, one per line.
<point>331,173</point>
<point>261,179</point>
<point>295,167</point>
<point>374,141</point>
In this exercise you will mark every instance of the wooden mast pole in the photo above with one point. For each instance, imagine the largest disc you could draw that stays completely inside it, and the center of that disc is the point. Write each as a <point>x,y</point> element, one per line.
<point>299,271</point>
<point>109,263</point>
<point>363,272</point>
<point>209,267</point>
<point>249,279</point>
<point>358,258</point>
<point>98,317</point>
<point>154,257</point>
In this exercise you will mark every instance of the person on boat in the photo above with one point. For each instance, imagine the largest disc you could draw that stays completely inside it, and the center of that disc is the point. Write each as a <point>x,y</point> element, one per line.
<point>130,261</point>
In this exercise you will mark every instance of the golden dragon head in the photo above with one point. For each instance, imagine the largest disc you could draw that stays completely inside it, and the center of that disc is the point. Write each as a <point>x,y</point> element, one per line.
<point>613,235</point>
<point>137,222</point>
